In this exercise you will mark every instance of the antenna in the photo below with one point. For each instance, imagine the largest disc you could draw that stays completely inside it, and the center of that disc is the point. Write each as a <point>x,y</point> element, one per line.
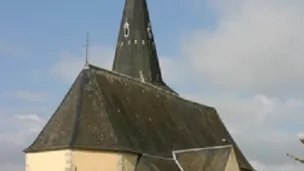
<point>87,45</point>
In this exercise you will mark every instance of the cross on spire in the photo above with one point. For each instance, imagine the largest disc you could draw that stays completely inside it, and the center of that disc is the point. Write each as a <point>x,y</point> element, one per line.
<point>87,45</point>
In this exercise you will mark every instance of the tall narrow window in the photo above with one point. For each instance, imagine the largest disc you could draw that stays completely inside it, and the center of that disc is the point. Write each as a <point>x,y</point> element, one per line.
<point>157,77</point>
<point>126,29</point>
<point>142,78</point>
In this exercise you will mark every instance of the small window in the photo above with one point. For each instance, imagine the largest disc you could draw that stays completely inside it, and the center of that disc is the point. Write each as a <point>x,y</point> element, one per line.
<point>157,77</point>
<point>149,31</point>
<point>126,29</point>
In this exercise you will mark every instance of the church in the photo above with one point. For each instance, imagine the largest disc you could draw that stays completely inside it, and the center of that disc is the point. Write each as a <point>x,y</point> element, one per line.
<point>129,119</point>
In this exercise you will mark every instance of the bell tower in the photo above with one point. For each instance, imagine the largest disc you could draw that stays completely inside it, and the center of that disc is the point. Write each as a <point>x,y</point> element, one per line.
<point>136,53</point>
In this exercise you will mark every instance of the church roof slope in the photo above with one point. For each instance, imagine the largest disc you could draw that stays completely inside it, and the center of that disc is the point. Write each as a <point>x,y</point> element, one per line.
<point>78,121</point>
<point>105,110</point>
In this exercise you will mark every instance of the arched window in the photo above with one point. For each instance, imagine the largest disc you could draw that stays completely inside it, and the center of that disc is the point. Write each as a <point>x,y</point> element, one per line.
<point>126,29</point>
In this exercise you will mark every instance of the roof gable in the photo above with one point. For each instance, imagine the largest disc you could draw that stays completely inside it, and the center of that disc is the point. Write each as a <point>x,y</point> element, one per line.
<point>207,159</point>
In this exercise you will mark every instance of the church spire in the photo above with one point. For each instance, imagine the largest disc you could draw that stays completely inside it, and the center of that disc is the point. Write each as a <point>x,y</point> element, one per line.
<point>136,54</point>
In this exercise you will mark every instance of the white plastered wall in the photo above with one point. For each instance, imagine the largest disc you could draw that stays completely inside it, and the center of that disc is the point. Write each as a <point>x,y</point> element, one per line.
<point>77,160</point>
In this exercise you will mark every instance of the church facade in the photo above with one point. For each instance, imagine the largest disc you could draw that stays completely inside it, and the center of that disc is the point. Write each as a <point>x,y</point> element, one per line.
<point>129,119</point>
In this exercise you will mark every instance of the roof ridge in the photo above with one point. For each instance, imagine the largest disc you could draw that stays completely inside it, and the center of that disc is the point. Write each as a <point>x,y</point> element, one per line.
<point>134,79</point>
<point>203,148</point>
<point>83,81</point>
<point>158,157</point>
<point>147,84</point>
<point>188,150</point>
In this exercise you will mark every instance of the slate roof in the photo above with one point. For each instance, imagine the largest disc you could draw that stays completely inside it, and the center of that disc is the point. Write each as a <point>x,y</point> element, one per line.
<point>105,110</point>
<point>136,53</point>
<point>207,159</point>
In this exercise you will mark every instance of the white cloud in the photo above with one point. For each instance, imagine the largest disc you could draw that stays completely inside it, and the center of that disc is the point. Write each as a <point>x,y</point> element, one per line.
<point>71,64</point>
<point>294,102</point>
<point>300,134</point>
<point>261,126</point>
<point>173,70</point>
<point>16,133</point>
<point>256,46</point>
<point>254,54</point>
<point>30,96</point>
<point>30,117</point>
<point>280,167</point>
<point>17,128</point>
<point>13,110</point>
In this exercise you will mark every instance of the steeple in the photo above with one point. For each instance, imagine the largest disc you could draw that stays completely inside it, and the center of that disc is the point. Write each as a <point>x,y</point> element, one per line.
<point>136,54</point>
